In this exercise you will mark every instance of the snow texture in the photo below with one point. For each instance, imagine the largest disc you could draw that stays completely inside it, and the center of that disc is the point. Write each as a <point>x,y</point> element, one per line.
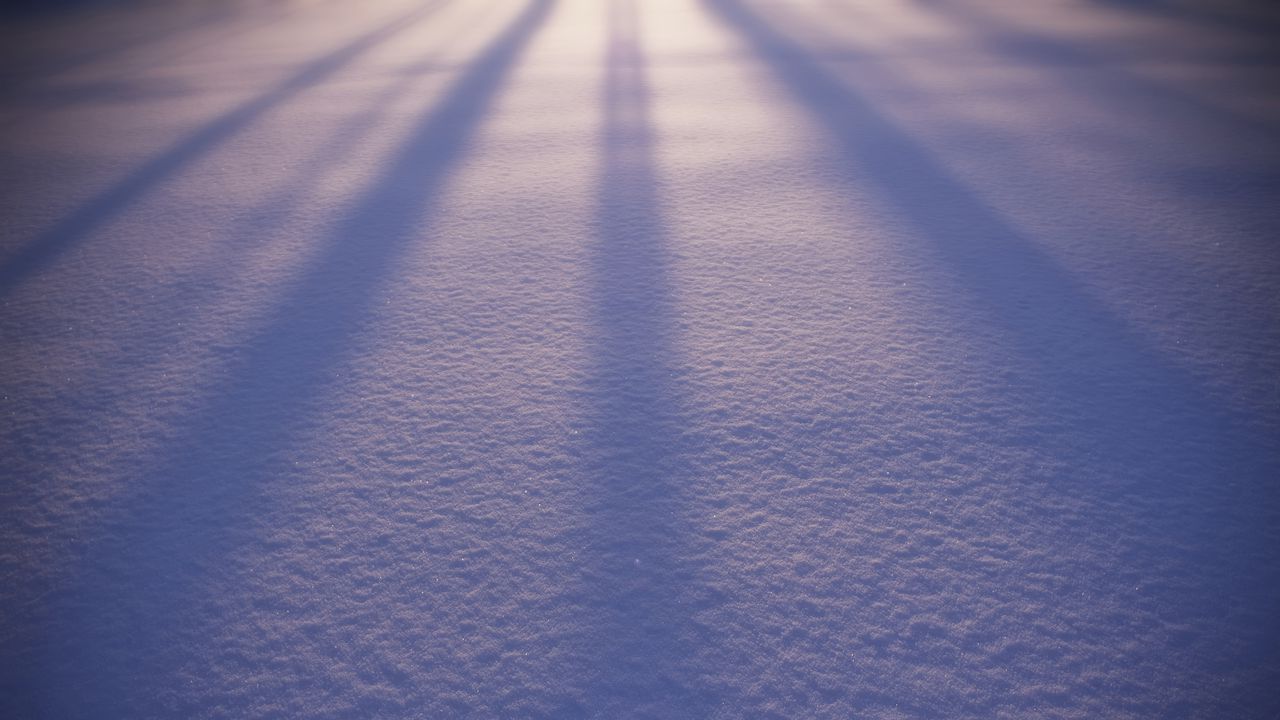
<point>653,359</point>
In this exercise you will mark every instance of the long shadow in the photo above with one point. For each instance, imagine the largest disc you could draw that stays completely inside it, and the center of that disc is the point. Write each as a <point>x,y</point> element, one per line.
<point>1120,88</point>
<point>51,244</point>
<point>1045,310</point>
<point>257,226</point>
<point>642,577</point>
<point>1163,445</point>
<point>1231,186</point>
<point>182,516</point>
<point>332,152</point>
<point>211,26</point>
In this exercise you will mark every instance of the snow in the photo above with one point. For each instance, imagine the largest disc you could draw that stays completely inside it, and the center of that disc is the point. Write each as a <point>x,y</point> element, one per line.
<point>607,358</point>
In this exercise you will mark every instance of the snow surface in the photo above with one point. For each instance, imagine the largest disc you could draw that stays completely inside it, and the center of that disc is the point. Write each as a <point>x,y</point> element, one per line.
<point>609,358</point>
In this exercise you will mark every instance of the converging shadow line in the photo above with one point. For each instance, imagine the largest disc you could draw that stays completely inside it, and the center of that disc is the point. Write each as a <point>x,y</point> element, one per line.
<point>1124,89</point>
<point>1002,270</point>
<point>181,512</point>
<point>641,579</point>
<point>266,217</point>
<point>48,246</point>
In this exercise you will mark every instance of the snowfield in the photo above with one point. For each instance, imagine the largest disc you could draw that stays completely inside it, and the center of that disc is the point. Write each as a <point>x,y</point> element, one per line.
<point>640,359</point>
